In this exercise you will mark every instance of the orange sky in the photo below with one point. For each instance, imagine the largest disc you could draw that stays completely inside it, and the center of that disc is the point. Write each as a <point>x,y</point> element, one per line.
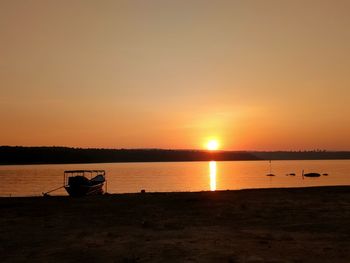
<point>256,75</point>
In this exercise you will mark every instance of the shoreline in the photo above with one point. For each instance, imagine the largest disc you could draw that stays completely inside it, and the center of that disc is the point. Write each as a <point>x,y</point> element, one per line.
<point>308,224</point>
<point>186,192</point>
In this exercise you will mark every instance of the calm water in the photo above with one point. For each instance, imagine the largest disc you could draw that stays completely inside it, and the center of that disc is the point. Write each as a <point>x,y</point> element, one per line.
<point>28,180</point>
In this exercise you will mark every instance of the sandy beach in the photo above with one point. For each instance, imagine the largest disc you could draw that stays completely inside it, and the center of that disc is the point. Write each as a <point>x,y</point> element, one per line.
<point>266,225</point>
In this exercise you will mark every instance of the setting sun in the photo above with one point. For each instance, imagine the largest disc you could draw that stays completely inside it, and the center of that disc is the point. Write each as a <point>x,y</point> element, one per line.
<point>212,145</point>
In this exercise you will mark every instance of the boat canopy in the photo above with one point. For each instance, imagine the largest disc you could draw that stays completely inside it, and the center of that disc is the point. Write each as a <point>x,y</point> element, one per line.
<point>81,173</point>
<point>85,171</point>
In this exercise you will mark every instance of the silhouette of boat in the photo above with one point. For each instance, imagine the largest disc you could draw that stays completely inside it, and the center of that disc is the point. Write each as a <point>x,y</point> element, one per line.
<point>77,184</point>
<point>310,174</point>
<point>270,174</point>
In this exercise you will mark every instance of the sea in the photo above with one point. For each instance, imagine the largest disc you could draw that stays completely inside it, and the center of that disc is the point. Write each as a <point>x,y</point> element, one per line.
<point>34,180</point>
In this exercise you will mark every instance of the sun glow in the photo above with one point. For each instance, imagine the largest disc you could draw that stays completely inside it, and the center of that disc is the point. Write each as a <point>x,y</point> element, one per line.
<point>212,145</point>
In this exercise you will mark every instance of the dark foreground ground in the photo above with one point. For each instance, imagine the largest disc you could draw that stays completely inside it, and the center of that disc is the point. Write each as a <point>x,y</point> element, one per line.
<point>275,225</point>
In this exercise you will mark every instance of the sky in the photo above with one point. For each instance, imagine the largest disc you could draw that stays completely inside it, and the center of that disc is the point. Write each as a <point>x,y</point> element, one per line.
<point>254,75</point>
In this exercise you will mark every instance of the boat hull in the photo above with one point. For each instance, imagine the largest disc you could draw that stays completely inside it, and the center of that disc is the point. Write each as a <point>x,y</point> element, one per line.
<point>82,190</point>
<point>312,175</point>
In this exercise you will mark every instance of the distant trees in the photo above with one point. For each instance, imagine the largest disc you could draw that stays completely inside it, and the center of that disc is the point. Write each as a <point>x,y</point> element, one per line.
<point>55,155</point>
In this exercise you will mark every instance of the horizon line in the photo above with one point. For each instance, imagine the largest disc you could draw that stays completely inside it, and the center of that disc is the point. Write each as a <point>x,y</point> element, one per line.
<point>173,149</point>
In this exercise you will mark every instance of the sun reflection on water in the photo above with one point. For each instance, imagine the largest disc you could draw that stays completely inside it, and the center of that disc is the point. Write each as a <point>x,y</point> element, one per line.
<point>212,175</point>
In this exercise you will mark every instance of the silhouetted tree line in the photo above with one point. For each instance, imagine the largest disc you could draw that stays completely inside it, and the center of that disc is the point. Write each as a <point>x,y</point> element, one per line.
<point>42,155</point>
<point>303,155</point>
<point>55,155</point>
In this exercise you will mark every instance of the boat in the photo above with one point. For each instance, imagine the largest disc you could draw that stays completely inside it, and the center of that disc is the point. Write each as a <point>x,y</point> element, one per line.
<point>290,174</point>
<point>270,174</point>
<point>77,183</point>
<point>310,174</point>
